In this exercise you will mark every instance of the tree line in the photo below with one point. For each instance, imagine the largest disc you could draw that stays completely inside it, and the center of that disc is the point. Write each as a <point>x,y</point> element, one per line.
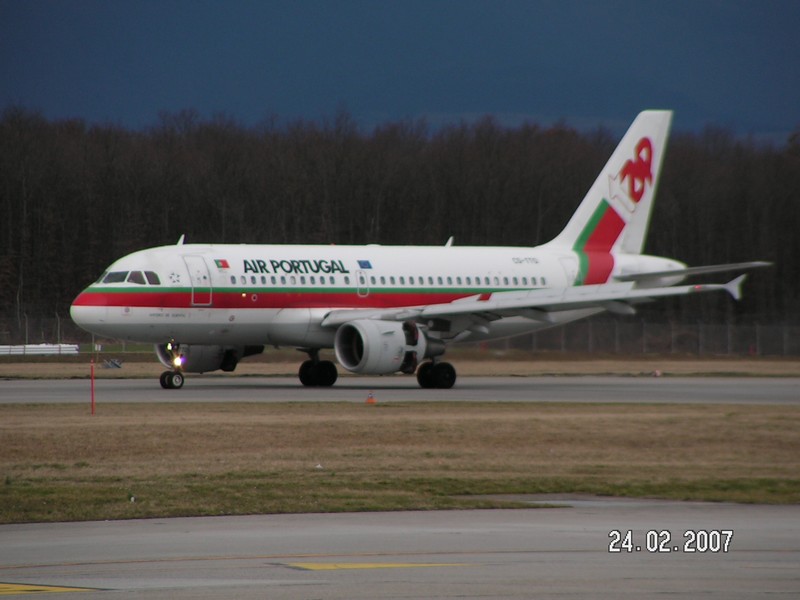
<point>75,196</point>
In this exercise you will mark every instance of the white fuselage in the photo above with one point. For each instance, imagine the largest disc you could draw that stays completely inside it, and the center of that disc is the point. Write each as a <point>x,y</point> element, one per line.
<point>279,294</point>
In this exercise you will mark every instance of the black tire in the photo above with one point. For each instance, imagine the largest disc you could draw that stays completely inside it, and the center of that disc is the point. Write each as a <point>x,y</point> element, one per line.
<point>326,373</point>
<point>308,374</point>
<point>444,375</point>
<point>425,375</point>
<point>164,379</point>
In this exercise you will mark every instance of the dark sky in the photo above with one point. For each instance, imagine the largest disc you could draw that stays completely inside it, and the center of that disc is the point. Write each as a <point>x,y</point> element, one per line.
<point>731,63</point>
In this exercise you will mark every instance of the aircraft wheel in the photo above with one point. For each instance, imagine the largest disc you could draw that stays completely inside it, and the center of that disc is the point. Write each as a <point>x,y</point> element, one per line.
<point>308,374</point>
<point>443,375</point>
<point>176,381</point>
<point>326,373</point>
<point>171,380</point>
<point>425,375</point>
<point>164,379</point>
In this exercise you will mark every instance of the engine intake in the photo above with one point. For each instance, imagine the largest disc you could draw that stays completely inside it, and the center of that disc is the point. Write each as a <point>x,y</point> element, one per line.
<point>381,347</point>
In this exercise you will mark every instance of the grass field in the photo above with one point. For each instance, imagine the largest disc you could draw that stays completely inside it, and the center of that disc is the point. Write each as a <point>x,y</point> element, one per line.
<point>130,461</point>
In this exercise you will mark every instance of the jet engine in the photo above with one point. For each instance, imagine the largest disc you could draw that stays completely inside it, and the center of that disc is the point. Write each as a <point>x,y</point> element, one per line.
<point>378,347</point>
<point>200,359</point>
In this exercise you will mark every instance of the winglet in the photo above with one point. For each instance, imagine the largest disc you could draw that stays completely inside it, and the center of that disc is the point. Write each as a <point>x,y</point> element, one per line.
<point>734,287</point>
<point>181,239</point>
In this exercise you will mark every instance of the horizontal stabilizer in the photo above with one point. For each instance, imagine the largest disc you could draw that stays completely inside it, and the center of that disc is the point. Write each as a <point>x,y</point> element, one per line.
<point>744,266</point>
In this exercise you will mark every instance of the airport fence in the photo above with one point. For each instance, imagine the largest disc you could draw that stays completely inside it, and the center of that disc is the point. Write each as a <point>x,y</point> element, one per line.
<point>599,335</point>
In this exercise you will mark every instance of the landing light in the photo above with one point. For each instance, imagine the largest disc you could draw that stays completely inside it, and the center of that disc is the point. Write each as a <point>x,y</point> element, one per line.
<point>177,361</point>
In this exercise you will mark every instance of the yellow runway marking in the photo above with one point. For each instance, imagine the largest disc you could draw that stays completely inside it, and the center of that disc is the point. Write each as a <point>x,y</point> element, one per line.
<point>345,566</point>
<point>12,589</point>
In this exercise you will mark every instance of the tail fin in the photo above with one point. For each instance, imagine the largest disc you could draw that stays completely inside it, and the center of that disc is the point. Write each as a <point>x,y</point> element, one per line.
<point>614,215</point>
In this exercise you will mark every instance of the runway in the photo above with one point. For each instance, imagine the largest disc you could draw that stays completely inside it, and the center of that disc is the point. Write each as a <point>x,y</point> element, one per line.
<point>542,553</point>
<point>694,390</point>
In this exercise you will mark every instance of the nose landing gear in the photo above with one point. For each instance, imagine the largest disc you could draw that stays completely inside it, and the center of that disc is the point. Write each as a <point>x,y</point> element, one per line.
<point>171,380</point>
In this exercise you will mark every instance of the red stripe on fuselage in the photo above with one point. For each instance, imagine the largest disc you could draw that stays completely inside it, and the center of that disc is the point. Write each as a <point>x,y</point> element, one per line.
<point>257,299</point>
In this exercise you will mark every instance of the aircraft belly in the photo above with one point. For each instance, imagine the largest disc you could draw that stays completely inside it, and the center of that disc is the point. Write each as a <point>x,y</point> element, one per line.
<point>187,325</point>
<point>300,327</point>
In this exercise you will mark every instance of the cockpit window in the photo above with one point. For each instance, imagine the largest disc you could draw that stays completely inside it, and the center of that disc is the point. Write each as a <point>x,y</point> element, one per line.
<point>152,278</point>
<point>115,277</point>
<point>136,277</point>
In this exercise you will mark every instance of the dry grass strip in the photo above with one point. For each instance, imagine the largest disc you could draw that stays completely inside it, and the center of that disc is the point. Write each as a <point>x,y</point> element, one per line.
<point>59,463</point>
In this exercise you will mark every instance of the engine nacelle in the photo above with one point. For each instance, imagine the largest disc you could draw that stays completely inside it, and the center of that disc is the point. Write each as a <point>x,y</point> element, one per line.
<point>382,347</point>
<point>201,359</point>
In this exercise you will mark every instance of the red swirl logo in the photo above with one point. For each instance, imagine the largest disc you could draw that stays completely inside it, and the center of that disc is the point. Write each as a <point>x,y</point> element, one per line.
<point>638,172</point>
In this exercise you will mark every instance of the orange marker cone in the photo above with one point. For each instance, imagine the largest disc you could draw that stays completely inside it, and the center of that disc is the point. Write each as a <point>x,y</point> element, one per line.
<point>371,398</point>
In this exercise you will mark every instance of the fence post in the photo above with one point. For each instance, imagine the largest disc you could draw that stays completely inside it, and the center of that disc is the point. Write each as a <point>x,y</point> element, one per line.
<point>700,345</point>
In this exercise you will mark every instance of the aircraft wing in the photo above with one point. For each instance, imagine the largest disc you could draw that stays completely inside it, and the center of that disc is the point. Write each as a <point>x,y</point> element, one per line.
<point>536,304</point>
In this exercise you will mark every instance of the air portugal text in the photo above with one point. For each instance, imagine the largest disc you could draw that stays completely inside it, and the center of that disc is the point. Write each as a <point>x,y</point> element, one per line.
<point>291,267</point>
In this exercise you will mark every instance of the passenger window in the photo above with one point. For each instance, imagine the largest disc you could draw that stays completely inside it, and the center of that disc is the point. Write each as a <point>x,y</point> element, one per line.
<point>243,280</point>
<point>497,281</point>
<point>136,277</point>
<point>233,279</point>
<point>152,278</point>
<point>273,280</point>
<point>516,281</point>
<point>372,280</point>
<point>253,279</point>
<point>411,280</point>
<point>391,280</point>
<point>303,279</point>
<point>283,279</point>
<point>115,277</point>
<point>293,280</point>
<point>486,280</point>
<point>533,280</point>
<point>458,280</point>
<point>402,280</point>
<point>469,280</point>
<point>333,279</point>
<point>312,280</point>
<point>449,281</point>
<point>439,280</point>
<point>524,281</point>
<point>505,280</point>
<point>430,280</point>
<point>544,281</point>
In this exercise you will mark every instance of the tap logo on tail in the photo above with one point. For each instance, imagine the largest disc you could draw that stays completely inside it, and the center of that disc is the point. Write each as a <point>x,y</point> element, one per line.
<point>606,224</point>
<point>638,172</point>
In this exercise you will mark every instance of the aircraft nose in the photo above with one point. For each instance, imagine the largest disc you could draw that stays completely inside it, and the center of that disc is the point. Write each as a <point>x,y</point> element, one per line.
<point>87,313</point>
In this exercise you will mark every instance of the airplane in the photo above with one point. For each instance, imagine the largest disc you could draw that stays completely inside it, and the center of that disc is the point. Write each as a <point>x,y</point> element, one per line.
<point>396,309</point>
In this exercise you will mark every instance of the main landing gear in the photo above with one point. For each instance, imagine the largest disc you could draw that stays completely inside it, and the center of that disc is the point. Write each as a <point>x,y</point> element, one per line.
<point>317,373</point>
<point>440,375</point>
